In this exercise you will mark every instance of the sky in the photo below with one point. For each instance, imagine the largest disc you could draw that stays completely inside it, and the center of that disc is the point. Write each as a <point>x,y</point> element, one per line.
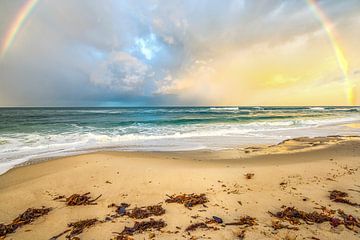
<point>179,52</point>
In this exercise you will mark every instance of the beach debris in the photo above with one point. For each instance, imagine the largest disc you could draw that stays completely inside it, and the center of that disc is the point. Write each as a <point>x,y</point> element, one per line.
<point>79,226</point>
<point>196,226</point>
<point>189,200</point>
<point>249,175</point>
<point>30,215</point>
<point>335,222</point>
<point>205,224</point>
<point>59,197</point>
<point>283,185</point>
<point>75,228</point>
<point>292,215</point>
<point>341,197</point>
<point>245,221</point>
<point>140,227</point>
<point>60,234</point>
<point>122,237</point>
<point>241,235</point>
<point>120,209</point>
<point>277,224</point>
<point>145,212</point>
<point>349,221</point>
<point>79,199</point>
<point>354,190</point>
<point>217,219</point>
<point>138,212</point>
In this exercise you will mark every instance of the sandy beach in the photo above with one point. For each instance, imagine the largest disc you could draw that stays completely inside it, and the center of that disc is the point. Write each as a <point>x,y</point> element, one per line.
<point>296,173</point>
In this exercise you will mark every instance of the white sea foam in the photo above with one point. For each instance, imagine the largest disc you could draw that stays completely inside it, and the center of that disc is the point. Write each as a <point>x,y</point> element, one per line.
<point>224,108</point>
<point>317,108</point>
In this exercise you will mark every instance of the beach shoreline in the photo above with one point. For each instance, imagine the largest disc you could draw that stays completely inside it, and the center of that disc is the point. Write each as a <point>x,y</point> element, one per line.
<point>298,172</point>
<point>43,133</point>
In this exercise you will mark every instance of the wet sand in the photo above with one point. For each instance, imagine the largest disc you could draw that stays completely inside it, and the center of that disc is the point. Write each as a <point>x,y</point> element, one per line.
<point>298,173</point>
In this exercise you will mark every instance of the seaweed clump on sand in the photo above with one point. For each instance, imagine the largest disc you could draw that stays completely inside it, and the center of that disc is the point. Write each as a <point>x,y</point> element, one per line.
<point>189,200</point>
<point>75,228</point>
<point>245,221</point>
<point>196,226</point>
<point>122,237</point>
<point>249,175</point>
<point>78,199</point>
<point>145,212</point>
<point>30,215</point>
<point>205,225</point>
<point>340,197</point>
<point>277,224</point>
<point>138,212</point>
<point>349,221</point>
<point>241,235</point>
<point>292,215</point>
<point>140,227</point>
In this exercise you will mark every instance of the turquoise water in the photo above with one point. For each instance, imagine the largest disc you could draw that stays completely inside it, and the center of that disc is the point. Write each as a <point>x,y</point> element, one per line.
<point>34,133</point>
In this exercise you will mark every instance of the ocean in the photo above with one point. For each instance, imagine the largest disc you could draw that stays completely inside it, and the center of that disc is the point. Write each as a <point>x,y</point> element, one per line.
<point>28,134</point>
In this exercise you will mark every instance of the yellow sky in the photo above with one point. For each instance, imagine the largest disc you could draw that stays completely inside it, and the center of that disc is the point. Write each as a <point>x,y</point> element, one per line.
<point>303,71</point>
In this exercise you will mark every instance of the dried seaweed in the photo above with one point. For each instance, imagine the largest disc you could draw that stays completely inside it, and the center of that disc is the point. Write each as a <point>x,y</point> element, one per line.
<point>350,222</point>
<point>79,226</point>
<point>196,226</point>
<point>276,225</point>
<point>75,228</point>
<point>294,216</point>
<point>335,222</point>
<point>246,221</point>
<point>140,227</point>
<point>241,235</point>
<point>80,199</point>
<point>145,212</point>
<point>122,237</point>
<point>339,196</point>
<point>249,175</point>
<point>59,197</point>
<point>138,212</point>
<point>189,200</point>
<point>30,215</point>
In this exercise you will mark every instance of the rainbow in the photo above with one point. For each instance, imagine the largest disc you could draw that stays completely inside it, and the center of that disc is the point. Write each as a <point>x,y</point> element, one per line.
<point>16,25</point>
<point>339,53</point>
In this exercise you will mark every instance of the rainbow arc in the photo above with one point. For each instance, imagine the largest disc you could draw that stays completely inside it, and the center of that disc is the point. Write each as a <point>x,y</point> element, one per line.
<point>16,25</point>
<point>338,50</point>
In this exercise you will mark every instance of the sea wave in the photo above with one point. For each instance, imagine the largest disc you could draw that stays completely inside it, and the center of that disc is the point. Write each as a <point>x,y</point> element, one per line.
<point>33,134</point>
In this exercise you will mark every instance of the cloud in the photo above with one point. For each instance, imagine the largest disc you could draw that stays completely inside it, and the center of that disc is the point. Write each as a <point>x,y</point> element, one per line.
<point>129,51</point>
<point>122,73</point>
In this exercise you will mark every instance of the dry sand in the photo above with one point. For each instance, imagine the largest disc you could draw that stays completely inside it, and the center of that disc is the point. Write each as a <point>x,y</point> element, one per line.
<point>298,173</point>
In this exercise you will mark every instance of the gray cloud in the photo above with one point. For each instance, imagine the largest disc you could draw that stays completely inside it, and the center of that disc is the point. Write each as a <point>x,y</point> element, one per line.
<point>123,73</point>
<point>124,52</point>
